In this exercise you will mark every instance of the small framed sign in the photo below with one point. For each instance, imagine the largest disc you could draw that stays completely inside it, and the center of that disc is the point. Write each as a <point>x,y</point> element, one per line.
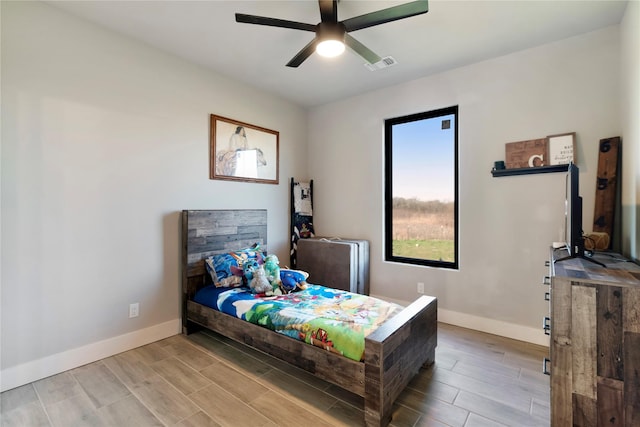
<point>526,154</point>
<point>561,149</point>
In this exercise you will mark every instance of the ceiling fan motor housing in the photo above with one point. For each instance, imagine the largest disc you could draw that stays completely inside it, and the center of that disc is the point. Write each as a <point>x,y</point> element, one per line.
<point>331,31</point>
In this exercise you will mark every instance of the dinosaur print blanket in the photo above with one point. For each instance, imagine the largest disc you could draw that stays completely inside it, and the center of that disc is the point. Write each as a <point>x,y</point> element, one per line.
<point>335,320</point>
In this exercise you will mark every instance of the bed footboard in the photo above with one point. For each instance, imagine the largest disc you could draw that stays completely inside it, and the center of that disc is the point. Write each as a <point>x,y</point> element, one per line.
<point>393,355</point>
<point>336,369</point>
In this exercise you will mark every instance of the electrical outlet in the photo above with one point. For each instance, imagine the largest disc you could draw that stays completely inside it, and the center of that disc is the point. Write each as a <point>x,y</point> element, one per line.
<point>420,288</point>
<point>134,310</point>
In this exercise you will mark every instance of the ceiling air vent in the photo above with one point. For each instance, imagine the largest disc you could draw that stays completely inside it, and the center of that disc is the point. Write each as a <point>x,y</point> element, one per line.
<point>385,62</point>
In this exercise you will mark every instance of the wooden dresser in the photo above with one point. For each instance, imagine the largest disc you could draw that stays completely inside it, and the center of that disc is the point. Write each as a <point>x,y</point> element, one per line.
<point>595,341</point>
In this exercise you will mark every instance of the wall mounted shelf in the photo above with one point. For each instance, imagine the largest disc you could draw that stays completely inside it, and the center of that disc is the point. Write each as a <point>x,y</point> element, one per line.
<point>526,171</point>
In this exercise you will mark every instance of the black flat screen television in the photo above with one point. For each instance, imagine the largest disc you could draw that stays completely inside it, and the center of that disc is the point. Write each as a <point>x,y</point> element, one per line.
<point>574,238</point>
<point>573,213</point>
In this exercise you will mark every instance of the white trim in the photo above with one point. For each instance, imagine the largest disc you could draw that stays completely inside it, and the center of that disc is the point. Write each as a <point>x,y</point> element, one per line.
<point>495,327</point>
<point>60,362</point>
<point>490,326</point>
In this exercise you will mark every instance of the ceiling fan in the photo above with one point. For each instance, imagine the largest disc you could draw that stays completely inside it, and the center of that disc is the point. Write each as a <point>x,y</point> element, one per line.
<point>332,35</point>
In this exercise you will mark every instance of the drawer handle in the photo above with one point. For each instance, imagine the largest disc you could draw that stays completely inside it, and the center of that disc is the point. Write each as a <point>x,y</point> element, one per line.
<point>547,296</point>
<point>546,326</point>
<point>547,263</point>
<point>545,363</point>
<point>546,280</point>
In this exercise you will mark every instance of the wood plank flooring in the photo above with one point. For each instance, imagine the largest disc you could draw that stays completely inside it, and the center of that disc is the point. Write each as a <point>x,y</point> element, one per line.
<point>478,380</point>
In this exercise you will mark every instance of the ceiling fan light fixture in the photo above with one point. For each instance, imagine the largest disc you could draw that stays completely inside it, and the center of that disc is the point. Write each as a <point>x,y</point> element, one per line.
<point>330,36</point>
<point>330,48</point>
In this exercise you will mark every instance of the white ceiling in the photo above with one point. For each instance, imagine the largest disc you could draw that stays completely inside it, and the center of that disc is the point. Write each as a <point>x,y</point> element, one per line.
<point>453,33</point>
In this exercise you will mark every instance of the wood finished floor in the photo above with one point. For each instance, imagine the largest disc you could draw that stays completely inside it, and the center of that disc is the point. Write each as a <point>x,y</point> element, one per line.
<point>478,380</point>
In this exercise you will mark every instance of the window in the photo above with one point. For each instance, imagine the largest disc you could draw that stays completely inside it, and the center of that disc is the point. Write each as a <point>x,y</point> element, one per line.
<point>421,188</point>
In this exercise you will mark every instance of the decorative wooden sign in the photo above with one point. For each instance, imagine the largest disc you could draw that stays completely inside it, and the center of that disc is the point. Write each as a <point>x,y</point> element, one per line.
<point>526,154</point>
<point>561,149</point>
<point>606,186</point>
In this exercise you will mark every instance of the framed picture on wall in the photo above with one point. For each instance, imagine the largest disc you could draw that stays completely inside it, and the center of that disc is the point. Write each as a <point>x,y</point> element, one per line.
<point>561,148</point>
<point>243,152</point>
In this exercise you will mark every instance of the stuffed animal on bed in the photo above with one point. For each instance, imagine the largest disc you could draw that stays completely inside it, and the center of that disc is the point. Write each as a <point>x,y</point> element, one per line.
<point>259,283</point>
<point>272,269</point>
<point>293,280</point>
<point>248,267</point>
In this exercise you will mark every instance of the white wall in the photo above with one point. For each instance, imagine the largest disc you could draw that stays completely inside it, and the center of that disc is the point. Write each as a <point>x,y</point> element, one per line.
<point>630,99</point>
<point>506,224</point>
<point>104,141</point>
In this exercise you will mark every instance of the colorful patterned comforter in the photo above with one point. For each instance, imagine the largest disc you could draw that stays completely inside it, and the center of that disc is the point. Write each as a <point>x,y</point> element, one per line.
<point>335,320</point>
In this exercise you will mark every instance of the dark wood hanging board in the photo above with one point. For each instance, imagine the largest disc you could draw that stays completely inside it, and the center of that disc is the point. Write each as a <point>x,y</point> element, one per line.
<point>301,222</point>
<point>606,185</point>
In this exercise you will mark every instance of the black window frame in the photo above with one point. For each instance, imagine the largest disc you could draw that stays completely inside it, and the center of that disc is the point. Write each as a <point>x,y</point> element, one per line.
<point>388,205</point>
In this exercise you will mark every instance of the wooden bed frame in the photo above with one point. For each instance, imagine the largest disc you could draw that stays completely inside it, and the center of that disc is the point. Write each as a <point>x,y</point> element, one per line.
<point>393,353</point>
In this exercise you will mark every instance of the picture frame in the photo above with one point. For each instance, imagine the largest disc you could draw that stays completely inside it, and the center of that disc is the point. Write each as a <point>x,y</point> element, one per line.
<point>561,149</point>
<point>526,154</point>
<point>244,152</point>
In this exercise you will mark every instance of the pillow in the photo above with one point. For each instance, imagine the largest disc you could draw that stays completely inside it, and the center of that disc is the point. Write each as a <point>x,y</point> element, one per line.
<point>226,269</point>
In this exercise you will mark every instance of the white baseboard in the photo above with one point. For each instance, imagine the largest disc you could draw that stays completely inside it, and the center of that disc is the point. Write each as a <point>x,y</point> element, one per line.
<point>60,362</point>
<point>495,327</point>
<point>490,326</point>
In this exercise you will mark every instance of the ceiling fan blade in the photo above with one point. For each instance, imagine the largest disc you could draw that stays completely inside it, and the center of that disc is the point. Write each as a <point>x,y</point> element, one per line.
<point>387,15</point>
<point>328,10</point>
<point>303,54</point>
<point>369,56</point>
<point>274,22</point>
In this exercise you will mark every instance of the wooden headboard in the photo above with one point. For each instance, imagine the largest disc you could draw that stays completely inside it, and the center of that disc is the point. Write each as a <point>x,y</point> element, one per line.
<point>210,232</point>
